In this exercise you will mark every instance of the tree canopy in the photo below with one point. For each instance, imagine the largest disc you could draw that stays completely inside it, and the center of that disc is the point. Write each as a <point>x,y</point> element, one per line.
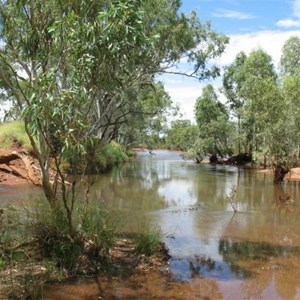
<point>78,71</point>
<point>213,120</point>
<point>290,58</point>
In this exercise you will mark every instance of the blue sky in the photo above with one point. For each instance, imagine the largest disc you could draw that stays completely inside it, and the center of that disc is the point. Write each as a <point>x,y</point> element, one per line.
<point>250,24</point>
<point>233,16</point>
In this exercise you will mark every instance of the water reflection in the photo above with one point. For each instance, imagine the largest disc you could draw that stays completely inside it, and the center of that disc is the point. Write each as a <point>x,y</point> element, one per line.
<point>189,202</point>
<point>19,195</point>
<point>253,254</point>
<point>187,268</point>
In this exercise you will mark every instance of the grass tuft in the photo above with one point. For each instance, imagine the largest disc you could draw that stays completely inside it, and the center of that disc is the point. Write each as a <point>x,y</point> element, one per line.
<point>14,134</point>
<point>148,241</point>
<point>99,226</point>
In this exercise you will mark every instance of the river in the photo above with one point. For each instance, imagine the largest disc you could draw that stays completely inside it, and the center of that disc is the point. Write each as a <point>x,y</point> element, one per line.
<point>216,253</point>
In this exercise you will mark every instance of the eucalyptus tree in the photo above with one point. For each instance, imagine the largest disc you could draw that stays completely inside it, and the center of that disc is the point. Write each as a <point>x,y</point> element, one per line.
<point>290,78</point>
<point>182,135</point>
<point>262,100</point>
<point>214,125</point>
<point>171,37</point>
<point>290,58</point>
<point>146,122</point>
<point>233,80</point>
<point>49,58</point>
<point>75,69</point>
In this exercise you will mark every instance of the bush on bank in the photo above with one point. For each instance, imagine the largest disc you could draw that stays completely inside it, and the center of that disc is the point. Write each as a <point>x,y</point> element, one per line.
<point>49,252</point>
<point>101,157</point>
<point>107,156</point>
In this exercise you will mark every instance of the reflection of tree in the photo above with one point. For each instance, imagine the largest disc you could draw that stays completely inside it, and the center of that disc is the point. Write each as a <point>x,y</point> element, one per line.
<point>265,261</point>
<point>126,194</point>
<point>275,277</point>
<point>132,190</point>
<point>150,170</point>
<point>212,184</point>
<point>235,251</point>
<point>199,264</point>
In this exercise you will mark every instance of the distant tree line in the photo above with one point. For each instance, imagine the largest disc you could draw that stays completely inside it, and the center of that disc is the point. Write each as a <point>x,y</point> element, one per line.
<point>260,119</point>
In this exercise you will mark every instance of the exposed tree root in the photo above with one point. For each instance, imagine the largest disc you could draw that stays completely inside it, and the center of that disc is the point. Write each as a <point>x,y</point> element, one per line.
<point>13,171</point>
<point>19,163</point>
<point>7,158</point>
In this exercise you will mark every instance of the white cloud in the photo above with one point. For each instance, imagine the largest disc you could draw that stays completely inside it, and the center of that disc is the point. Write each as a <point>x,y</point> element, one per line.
<point>270,41</point>
<point>185,95</point>
<point>232,14</point>
<point>296,8</point>
<point>288,23</point>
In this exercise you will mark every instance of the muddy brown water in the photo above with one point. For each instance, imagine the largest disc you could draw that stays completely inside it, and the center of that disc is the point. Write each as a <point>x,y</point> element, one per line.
<point>216,253</point>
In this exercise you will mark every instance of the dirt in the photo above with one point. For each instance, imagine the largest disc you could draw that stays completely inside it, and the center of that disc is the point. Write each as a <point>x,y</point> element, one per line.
<point>293,175</point>
<point>18,167</point>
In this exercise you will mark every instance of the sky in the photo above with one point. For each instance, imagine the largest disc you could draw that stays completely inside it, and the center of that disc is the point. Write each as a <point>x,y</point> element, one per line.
<point>250,24</point>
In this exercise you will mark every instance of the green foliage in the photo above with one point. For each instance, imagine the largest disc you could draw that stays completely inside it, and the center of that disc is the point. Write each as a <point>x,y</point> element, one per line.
<point>263,103</point>
<point>267,109</point>
<point>90,67</point>
<point>95,230</point>
<point>12,232</point>
<point>233,80</point>
<point>100,225</point>
<point>290,59</point>
<point>214,125</point>
<point>197,151</point>
<point>14,134</point>
<point>116,152</point>
<point>182,135</point>
<point>51,232</point>
<point>251,87</point>
<point>146,123</point>
<point>103,157</point>
<point>148,241</point>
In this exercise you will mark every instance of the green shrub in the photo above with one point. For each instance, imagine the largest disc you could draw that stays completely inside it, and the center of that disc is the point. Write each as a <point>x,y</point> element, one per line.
<point>148,241</point>
<point>13,133</point>
<point>104,157</point>
<point>99,226</point>
<point>97,157</point>
<point>53,237</point>
<point>94,235</point>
